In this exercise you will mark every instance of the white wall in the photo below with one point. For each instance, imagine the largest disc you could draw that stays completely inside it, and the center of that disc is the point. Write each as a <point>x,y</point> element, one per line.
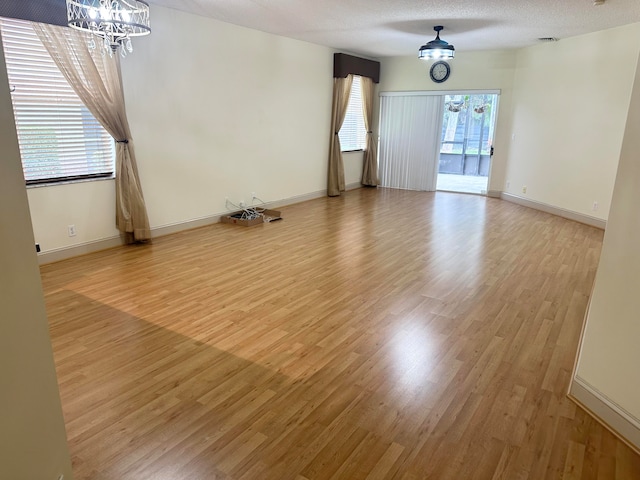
<point>610,356</point>
<point>90,206</point>
<point>484,70</point>
<point>570,107</point>
<point>222,111</point>
<point>32,436</point>
<point>216,111</point>
<point>353,162</point>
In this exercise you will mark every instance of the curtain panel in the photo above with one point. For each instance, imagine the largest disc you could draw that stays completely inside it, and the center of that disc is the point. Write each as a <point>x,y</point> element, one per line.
<point>335,177</point>
<point>370,160</point>
<point>97,80</point>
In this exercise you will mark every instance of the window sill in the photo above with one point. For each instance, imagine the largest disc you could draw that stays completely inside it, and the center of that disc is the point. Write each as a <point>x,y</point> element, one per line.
<point>67,182</point>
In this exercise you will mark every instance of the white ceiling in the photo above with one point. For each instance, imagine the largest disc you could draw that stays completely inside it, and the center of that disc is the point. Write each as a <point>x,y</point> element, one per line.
<point>378,28</point>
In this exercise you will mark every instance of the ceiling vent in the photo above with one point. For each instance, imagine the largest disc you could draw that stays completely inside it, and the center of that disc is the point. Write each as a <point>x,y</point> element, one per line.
<point>548,39</point>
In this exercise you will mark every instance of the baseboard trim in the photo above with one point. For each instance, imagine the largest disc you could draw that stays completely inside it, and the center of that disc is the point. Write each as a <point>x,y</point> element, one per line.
<point>561,212</point>
<point>612,416</point>
<point>494,193</point>
<point>64,253</point>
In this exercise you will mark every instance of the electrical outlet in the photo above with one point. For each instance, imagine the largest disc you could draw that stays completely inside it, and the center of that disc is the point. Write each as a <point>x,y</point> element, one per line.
<point>37,248</point>
<point>595,206</point>
<point>253,195</point>
<point>242,203</point>
<point>508,184</point>
<point>524,189</point>
<point>72,230</point>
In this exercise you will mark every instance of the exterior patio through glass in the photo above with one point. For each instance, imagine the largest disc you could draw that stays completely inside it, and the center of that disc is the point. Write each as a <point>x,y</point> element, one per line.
<point>466,146</point>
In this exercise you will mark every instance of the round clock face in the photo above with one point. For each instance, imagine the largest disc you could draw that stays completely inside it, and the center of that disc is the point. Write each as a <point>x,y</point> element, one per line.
<point>440,71</point>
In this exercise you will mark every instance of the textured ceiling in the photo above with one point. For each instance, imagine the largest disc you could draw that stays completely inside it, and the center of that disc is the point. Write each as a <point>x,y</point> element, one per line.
<point>378,28</point>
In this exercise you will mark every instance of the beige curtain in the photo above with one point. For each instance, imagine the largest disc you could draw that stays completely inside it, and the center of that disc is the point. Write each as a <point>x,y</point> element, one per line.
<point>370,164</point>
<point>341,91</point>
<point>96,79</point>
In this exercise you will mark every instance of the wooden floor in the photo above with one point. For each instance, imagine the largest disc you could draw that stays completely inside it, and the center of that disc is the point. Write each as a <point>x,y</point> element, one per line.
<point>383,334</point>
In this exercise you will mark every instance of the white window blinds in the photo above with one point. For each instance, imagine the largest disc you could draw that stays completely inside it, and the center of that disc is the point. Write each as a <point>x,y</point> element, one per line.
<point>410,133</point>
<point>59,138</point>
<point>353,134</point>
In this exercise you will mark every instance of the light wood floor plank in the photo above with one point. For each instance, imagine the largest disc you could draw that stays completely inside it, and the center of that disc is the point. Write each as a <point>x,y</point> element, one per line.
<point>381,334</point>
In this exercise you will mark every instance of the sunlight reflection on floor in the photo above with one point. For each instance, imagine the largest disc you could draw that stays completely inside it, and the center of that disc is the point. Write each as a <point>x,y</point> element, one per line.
<point>462,183</point>
<point>414,353</point>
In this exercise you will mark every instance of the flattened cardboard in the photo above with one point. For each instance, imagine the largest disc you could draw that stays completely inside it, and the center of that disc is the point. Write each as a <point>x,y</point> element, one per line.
<point>272,214</point>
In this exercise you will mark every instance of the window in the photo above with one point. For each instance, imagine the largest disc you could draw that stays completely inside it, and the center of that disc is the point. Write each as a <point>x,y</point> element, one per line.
<point>59,138</point>
<point>352,134</point>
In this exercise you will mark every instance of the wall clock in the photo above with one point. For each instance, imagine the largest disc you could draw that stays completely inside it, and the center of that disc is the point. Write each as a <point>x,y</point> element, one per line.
<point>440,71</point>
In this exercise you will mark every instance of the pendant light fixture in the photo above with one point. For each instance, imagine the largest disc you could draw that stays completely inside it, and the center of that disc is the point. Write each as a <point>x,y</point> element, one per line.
<point>113,21</point>
<point>436,49</point>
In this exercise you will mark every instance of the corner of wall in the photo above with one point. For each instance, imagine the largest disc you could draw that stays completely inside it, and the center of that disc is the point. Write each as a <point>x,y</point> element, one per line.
<point>607,412</point>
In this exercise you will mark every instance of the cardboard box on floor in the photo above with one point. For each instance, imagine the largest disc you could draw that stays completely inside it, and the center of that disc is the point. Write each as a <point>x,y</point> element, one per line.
<point>235,218</point>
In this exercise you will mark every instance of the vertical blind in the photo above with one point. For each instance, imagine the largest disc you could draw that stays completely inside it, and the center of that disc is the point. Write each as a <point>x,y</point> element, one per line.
<point>59,138</point>
<point>353,133</point>
<point>410,131</point>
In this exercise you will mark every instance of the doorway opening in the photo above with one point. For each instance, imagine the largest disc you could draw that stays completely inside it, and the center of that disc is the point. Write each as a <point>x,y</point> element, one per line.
<point>467,142</point>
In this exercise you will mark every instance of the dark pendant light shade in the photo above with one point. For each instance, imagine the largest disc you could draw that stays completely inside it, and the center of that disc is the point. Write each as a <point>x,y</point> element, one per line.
<point>436,49</point>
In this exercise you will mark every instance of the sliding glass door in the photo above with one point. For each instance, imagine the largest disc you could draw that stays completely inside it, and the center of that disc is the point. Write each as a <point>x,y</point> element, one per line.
<point>437,140</point>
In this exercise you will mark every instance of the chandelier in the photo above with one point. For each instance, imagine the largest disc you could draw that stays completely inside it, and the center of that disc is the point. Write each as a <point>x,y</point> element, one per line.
<point>436,49</point>
<point>113,21</point>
